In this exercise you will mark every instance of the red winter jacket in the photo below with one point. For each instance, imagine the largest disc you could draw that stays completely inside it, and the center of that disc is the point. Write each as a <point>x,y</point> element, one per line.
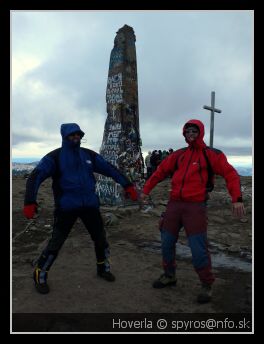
<point>191,175</point>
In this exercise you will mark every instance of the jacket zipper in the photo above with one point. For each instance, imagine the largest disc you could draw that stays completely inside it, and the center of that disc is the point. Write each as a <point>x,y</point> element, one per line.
<point>80,171</point>
<point>185,175</point>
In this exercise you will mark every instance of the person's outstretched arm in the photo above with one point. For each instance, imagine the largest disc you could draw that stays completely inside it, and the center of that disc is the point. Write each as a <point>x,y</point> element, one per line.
<point>165,168</point>
<point>42,171</point>
<point>222,167</point>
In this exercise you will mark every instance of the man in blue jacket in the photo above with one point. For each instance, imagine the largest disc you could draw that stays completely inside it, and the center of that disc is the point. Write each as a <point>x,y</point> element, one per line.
<point>71,168</point>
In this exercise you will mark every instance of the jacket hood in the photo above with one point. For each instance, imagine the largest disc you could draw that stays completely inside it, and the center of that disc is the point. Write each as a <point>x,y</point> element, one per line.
<point>69,128</point>
<point>199,141</point>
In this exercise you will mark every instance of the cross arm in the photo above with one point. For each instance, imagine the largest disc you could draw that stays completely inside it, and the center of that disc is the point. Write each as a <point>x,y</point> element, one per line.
<point>211,109</point>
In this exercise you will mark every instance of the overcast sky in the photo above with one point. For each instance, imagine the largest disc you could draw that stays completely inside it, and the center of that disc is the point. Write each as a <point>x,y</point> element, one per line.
<point>60,63</point>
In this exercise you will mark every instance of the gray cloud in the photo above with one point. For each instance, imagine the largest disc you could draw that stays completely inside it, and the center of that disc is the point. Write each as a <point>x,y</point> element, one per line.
<point>181,56</point>
<point>18,138</point>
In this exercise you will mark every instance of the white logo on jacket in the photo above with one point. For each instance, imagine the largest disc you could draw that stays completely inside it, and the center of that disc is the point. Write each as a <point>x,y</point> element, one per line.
<point>88,161</point>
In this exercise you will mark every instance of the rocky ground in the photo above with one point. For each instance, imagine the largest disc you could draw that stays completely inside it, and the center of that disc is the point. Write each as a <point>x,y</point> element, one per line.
<point>135,258</point>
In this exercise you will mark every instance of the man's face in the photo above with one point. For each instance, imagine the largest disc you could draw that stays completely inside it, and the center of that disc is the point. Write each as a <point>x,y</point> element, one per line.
<point>191,133</point>
<point>75,137</point>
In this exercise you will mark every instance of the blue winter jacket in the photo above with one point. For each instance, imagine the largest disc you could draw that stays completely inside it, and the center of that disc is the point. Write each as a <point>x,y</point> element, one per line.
<point>71,168</point>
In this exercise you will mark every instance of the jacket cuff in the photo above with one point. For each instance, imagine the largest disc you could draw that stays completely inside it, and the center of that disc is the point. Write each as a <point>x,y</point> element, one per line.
<point>145,190</point>
<point>237,199</point>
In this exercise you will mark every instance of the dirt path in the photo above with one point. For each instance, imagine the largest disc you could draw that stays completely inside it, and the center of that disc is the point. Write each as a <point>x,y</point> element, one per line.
<point>135,261</point>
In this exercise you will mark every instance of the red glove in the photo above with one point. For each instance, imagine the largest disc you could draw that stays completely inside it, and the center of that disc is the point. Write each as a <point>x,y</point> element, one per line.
<point>30,210</point>
<point>131,192</point>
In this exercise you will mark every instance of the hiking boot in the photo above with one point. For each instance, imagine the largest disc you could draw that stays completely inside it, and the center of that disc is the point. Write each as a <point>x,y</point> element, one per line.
<point>103,270</point>
<point>40,279</point>
<point>205,294</point>
<point>107,275</point>
<point>164,280</point>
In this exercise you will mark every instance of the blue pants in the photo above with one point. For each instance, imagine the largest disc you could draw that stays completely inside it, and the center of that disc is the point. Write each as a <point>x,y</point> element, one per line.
<point>193,217</point>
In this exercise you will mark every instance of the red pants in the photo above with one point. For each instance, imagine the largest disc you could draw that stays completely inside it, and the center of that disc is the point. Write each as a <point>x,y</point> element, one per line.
<point>193,217</point>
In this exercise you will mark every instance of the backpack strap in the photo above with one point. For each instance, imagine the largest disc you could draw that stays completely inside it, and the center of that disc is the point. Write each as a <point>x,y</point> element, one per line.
<point>210,181</point>
<point>55,156</point>
<point>56,153</point>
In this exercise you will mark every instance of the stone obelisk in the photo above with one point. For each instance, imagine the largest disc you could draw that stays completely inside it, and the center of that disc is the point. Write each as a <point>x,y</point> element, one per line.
<point>121,145</point>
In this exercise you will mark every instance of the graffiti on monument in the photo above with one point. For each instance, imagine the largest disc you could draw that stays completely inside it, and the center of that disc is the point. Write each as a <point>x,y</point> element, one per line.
<point>121,148</point>
<point>110,191</point>
<point>114,89</point>
<point>110,147</point>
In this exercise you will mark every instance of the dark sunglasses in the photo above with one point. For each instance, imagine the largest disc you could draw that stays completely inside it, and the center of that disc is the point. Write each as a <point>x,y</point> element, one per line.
<point>75,133</point>
<point>189,131</point>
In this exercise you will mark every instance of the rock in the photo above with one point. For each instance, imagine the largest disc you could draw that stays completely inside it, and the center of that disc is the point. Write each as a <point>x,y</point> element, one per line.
<point>248,209</point>
<point>217,246</point>
<point>233,249</point>
<point>247,197</point>
<point>108,209</point>
<point>124,211</point>
<point>217,219</point>
<point>244,219</point>
<point>110,219</point>
<point>120,216</point>
<point>145,215</point>
<point>234,236</point>
<point>243,254</point>
<point>163,202</point>
<point>155,212</point>
<point>245,248</point>
<point>249,257</point>
<point>223,236</point>
<point>146,209</point>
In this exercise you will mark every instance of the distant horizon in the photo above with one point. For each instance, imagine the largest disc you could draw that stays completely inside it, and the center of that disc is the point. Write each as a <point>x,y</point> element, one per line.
<point>243,161</point>
<point>243,167</point>
<point>25,160</point>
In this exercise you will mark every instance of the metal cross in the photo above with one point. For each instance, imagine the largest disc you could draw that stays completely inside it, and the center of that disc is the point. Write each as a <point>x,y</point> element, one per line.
<point>213,110</point>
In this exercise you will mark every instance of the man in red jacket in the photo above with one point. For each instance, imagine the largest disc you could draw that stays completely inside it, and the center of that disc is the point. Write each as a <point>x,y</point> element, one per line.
<point>187,204</point>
